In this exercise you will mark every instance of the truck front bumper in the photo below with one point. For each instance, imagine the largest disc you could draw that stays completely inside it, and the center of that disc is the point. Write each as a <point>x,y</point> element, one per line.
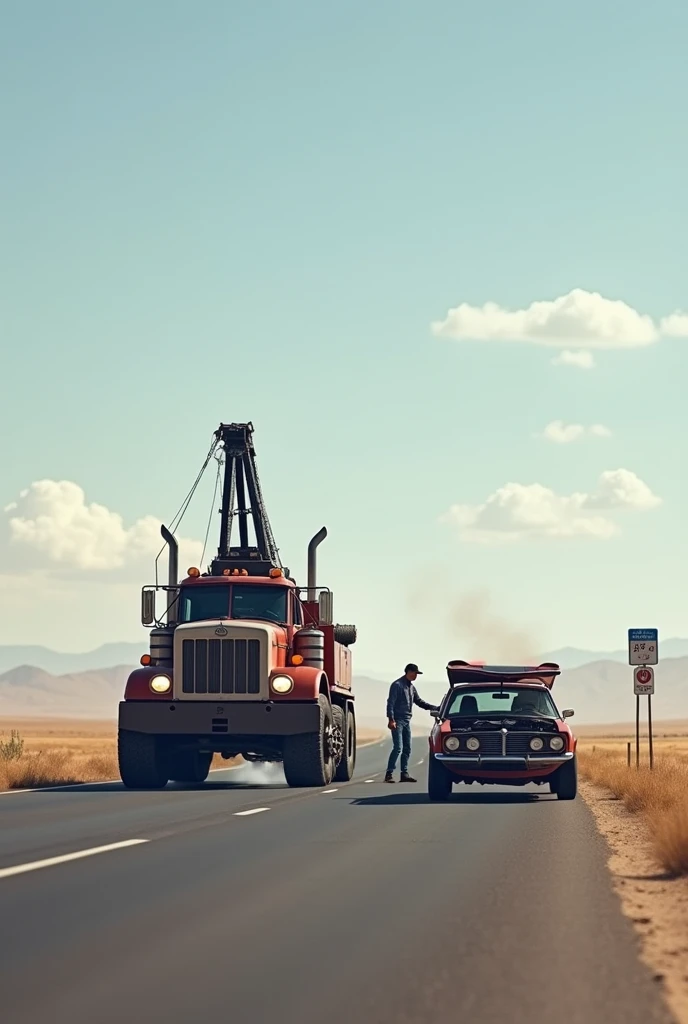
<point>210,718</point>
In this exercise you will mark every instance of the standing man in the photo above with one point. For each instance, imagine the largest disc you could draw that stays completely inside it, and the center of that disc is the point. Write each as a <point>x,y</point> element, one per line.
<point>402,696</point>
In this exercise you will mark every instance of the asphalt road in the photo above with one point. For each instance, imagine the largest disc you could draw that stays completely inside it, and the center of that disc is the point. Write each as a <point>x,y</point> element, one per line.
<point>364,904</point>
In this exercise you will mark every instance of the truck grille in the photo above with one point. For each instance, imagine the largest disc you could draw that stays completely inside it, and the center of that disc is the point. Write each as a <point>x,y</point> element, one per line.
<point>221,666</point>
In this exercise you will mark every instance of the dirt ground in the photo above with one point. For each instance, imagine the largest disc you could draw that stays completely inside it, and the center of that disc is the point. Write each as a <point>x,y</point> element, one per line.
<point>657,904</point>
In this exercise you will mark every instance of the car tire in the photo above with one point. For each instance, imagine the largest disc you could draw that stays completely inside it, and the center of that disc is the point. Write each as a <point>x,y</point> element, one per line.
<point>439,781</point>
<point>567,781</point>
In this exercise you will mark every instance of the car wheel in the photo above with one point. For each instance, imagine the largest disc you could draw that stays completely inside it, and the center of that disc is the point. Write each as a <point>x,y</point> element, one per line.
<point>439,780</point>
<point>567,781</point>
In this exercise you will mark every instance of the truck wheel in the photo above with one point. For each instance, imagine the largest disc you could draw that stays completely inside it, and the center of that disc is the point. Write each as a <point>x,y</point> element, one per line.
<point>439,781</point>
<point>338,727</point>
<point>141,760</point>
<point>566,784</point>
<point>189,766</point>
<point>345,768</point>
<point>308,759</point>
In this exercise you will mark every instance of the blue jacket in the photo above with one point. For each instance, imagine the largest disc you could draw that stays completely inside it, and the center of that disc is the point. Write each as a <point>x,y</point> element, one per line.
<point>402,696</point>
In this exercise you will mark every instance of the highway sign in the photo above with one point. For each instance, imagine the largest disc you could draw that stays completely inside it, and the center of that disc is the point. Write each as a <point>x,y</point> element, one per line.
<point>643,681</point>
<point>643,647</point>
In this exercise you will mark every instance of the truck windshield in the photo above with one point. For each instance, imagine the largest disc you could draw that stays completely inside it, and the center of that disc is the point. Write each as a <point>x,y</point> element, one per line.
<point>258,601</point>
<point>510,700</point>
<point>248,601</point>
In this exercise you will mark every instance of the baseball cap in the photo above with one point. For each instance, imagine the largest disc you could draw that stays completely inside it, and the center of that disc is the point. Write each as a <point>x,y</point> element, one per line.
<point>413,668</point>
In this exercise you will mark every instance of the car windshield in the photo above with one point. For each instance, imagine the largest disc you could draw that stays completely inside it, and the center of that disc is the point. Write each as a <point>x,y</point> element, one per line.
<point>513,700</point>
<point>248,601</point>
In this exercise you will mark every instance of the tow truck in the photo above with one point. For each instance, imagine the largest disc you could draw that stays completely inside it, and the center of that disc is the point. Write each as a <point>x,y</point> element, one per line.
<point>242,661</point>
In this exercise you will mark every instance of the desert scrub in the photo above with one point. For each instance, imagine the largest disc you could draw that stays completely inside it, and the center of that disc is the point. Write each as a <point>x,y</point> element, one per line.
<point>659,794</point>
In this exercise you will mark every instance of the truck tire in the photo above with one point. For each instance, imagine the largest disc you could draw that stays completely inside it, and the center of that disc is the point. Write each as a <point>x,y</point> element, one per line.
<point>308,758</point>
<point>566,781</point>
<point>439,781</point>
<point>339,725</point>
<point>189,766</point>
<point>345,635</point>
<point>345,768</point>
<point>141,760</point>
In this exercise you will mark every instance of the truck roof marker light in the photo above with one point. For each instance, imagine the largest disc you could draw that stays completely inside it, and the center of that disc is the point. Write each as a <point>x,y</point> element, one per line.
<point>193,571</point>
<point>146,659</point>
<point>274,573</point>
<point>297,659</point>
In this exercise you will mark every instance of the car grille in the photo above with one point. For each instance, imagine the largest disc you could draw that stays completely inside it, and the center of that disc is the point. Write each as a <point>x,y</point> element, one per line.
<point>516,744</point>
<point>221,666</point>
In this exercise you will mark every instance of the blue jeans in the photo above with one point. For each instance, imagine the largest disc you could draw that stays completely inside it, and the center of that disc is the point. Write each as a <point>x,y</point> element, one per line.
<point>401,743</point>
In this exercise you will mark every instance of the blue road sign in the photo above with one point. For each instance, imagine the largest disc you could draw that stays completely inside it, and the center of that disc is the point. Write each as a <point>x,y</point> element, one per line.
<point>646,636</point>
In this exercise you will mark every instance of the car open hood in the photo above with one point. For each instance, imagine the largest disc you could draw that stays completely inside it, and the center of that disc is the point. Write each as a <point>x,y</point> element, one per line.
<point>462,672</point>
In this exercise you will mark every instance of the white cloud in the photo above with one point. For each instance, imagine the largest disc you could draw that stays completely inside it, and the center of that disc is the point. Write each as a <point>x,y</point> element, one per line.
<point>582,360</point>
<point>53,520</point>
<point>532,511</point>
<point>564,433</point>
<point>580,319</point>
<point>675,326</point>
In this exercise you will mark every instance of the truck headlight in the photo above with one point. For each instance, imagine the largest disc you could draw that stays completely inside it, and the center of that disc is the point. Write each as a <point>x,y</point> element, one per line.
<point>282,684</point>
<point>473,743</point>
<point>160,684</point>
<point>537,743</point>
<point>451,743</point>
<point>557,743</point>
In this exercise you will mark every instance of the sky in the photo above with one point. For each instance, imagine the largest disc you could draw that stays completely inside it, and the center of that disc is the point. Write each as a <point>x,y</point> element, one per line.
<point>434,252</point>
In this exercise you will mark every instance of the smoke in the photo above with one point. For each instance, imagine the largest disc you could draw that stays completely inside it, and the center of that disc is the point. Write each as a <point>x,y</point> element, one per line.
<point>486,635</point>
<point>259,773</point>
<point>468,623</point>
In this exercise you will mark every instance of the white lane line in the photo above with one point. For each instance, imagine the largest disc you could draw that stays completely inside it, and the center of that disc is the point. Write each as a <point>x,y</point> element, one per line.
<point>325,791</point>
<point>19,869</point>
<point>421,760</point>
<point>370,780</point>
<point>254,810</point>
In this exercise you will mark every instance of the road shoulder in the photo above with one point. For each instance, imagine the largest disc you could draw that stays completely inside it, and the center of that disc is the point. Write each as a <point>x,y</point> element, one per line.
<point>656,903</point>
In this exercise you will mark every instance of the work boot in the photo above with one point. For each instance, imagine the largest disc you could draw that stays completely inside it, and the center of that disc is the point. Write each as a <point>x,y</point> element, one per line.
<point>389,777</point>
<point>405,777</point>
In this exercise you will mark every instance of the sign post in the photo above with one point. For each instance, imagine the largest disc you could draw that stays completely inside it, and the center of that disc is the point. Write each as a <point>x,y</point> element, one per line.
<point>643,653</point>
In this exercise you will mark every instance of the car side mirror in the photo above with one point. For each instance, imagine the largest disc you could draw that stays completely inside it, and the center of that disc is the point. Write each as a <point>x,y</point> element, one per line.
<point>569,713</point>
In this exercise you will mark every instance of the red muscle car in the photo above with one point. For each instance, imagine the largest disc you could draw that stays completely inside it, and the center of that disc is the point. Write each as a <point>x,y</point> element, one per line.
<point>499,725</point>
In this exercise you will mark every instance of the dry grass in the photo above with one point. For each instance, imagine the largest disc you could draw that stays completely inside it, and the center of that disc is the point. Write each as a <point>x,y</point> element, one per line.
<point>60,753</point>
<point>659,794</point>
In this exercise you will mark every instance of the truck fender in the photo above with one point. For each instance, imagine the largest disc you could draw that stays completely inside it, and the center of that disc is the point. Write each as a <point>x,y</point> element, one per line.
<point>309,682</point>
<point>137,687</point>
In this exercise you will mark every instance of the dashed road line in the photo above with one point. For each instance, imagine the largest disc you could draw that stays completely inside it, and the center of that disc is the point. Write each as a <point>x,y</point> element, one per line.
<point>254,810</point>
<point>326,791</point>
<point>20,869</point>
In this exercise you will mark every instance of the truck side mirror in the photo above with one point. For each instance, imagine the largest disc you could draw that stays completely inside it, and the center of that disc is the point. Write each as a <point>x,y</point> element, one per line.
<point>325,606</point>
<point>568,713</point>
<point>147,607</point>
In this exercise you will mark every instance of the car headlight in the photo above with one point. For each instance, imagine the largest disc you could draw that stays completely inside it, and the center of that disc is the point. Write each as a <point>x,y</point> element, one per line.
<point>537,743</point>
<point>557,743</point>
<point>473,743</point>
<point>160,684</point>
<point>452,743</point>
<point>282,684</point>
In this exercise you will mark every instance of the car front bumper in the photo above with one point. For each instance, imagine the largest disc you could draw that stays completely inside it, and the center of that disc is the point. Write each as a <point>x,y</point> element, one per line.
<point>496,763</point>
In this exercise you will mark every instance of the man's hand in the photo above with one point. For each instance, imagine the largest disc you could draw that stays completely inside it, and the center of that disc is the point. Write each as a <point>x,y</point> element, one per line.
<point>391,724</point>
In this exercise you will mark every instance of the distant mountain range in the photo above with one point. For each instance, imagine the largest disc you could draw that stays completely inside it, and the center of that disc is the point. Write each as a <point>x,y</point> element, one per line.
<point>38,681</point>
